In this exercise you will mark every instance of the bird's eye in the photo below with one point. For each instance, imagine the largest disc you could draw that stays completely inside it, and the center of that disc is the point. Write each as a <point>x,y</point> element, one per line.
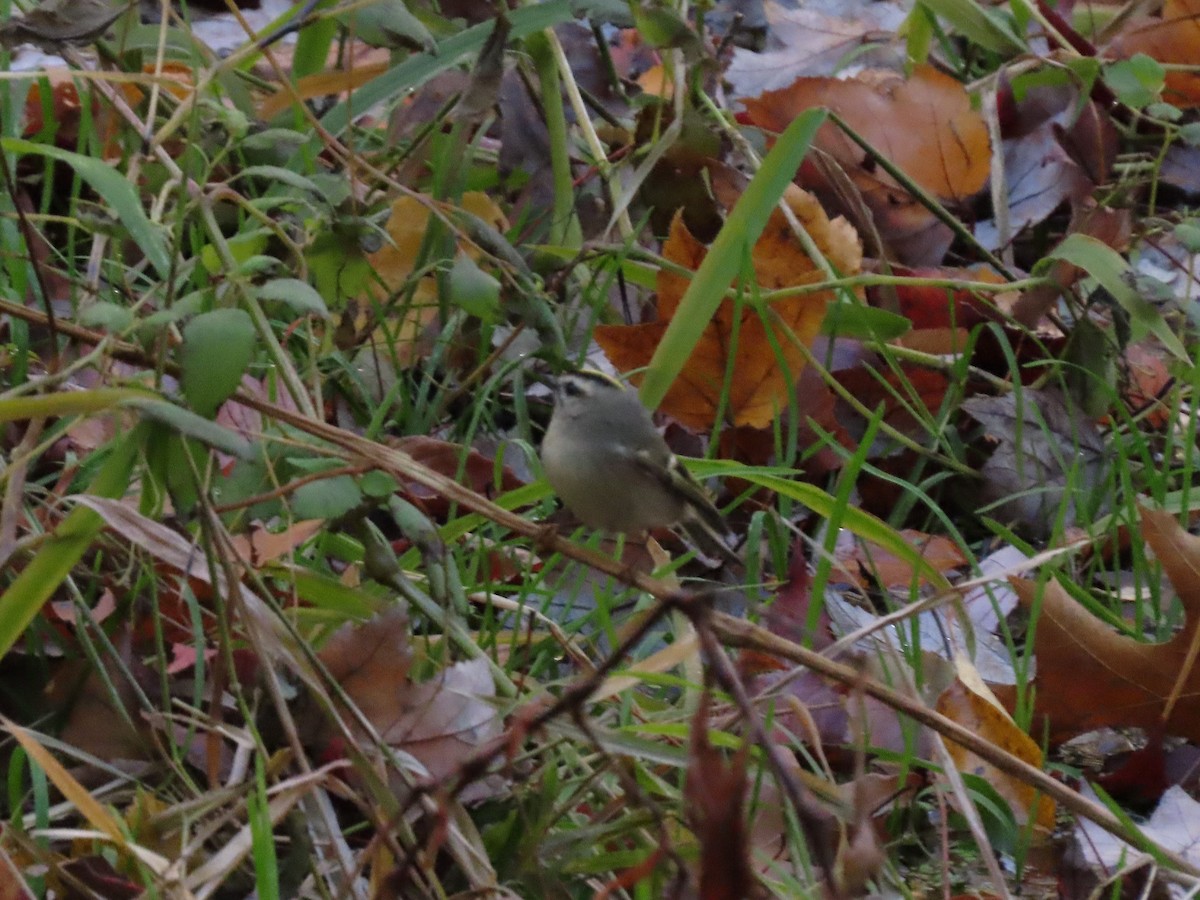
<point>572,388</point>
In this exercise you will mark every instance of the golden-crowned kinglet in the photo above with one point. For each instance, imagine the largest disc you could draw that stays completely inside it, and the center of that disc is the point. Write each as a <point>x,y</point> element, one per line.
<point>613,470</point>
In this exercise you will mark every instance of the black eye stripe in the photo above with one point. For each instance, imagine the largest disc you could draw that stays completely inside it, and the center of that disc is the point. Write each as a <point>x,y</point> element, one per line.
<point>572,388</point>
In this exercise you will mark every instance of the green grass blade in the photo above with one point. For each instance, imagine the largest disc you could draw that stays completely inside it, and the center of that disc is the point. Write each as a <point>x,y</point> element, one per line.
<point>117,192</point>
<point>58,555</point>
<point>866,526</point>
<point>727,254</point>
<point>1109,268</point>
<point>420,67</point>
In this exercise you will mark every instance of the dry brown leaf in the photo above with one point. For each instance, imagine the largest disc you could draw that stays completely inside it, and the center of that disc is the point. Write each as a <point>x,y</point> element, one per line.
<point>761,381</point>
<point>811,41</point>
<point>924,124</point>
<point>260,546</point>
<point>1089,676</point>
<point>441,722</point>
<point>868,565</point>
<point>12,885</point>
<point>715,798</point>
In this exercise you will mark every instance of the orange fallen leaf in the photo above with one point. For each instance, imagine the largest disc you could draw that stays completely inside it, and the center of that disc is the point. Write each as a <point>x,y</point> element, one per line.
<point>924,124</point>
<point>321,84</point>
<point>969,706</point>
<point>739,340</point>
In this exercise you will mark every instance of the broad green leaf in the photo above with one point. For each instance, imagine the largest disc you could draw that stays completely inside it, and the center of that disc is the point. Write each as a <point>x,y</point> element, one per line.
<point>217,347</point>
<point>109,316</point>
<point>242,247</point>
<point>116,191</point>
<point>474,290</point>
<point>299,296</point>
<point>1137,82</point>
<point>386,23</point>
<point>862,322</point>
<point>326,498</point>
<point>326,593</point>
<point>281,175</point>
<point>985,27</point>
<point>191,425</point>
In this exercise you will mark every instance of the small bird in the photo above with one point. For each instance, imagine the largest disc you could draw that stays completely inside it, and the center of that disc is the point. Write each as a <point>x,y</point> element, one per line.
<point>613,470</point>
<point>54,24</point>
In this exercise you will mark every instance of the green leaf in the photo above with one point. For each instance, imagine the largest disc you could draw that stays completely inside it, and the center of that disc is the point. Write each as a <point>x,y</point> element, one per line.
<point>116,191</point>
<point>984,27</point>
<point>727,254</point>
<point>299,296</point>
<point>109,316</point>
<point>242,247</point>
<point>217,347</point>
<point>1190,134</point>
<point>273,140</point>
<point>662,27</point>
<point>474,290</point>
<point>58,554</point>
<point>865,323</point>
<point>377,484</point>
<point>281,175</point>
<point>1137,82</point>
<point>1112,272</point>
<point>1188,234</point>
<point>327,594</point>
<point>188,424</point>
<point>419,68</point>
<point>314,43</point>
<point>326,498</point>
<point>387,23</point>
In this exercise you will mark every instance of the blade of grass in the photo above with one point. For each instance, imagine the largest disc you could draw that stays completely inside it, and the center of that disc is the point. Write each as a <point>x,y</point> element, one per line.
<point>866,526</point>
<point>727,254</point>
<point>421,67</point>
<point>1111,270</point>
<point>58,555</point>
<point>117,192</point>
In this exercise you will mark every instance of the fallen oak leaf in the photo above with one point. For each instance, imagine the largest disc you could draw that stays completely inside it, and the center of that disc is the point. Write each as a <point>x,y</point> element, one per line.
<point>439,722</point>
<point>1090,676</point>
